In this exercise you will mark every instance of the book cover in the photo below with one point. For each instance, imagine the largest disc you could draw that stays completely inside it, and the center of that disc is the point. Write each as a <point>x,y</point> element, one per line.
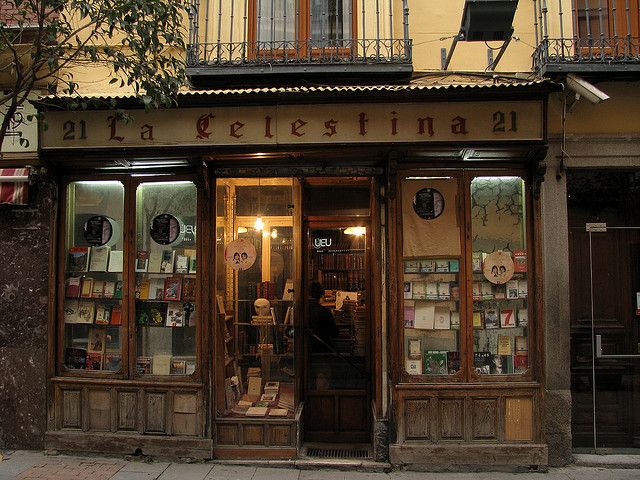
<point>78,259</point>
<point>86,312</point>
<point>520,362</point>
<point>256,411</point>
<point>118,291</point>
<point>103,315</point>
<point>178,367</point>
<point>189,289</point>
<point>142,288</point>
<point>112,340</point>
<point>454,265</point>
<point>523,317</point>
<point>455,320</point>
<point>75,357</point>
<point>425,313</point>
<point>444,291</point>
<point>432,290</point>
<point>507,319</point>
<point>156,289</point>
<point>143,365</point>
<point>109,289</point>
<point>94,361</point>
<point>161,364</point>
<point>413,367</point>
<point>442,319</point>
<point>155,262</point>
<point>142,261</point>
<point>167,261</point>
<point>278,412</point>
<point>254,386</point>
<point>112,361</point>
<point>72,287</point>
<point>522,288</point>
<point>486,292</point>
<point>477,291</point>
<point>522,345</point>
<point>411,266</point>
<point>476,262</point>
<point>453,362</point>
<point>341,297</point>
<point>478,320</point>
<point>98,289</point>
<point>192,264</point>
<point>172,288</point>
<point>501,364</point>
<point>504,345</point>
<point>99,259</point>
<point>491,318</point>
<point>408,293</point>
<point>499,292</point>
<point>427,266</point>
<point>455,292</point>
<point>182,264</point>
<point>87,287</point>
<point>287,291</point>
<point>435,362</point>
<point>190,367</point>
<point>175,315</point>
<point>414,348</point>
<point>519,261</point>
<point>115,261</point>
<point>512,290</point>
<point>96,340</point>
<point>482,362</point>
<point>409,314</point>
<point>71,311</point>
<point>419,290</point>
<point>442,266</point>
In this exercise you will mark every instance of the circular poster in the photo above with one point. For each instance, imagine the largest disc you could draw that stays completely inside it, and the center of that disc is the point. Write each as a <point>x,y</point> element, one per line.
<point>240,254</point>
<point>428,203</point>
<point>498,267</point>
<point>98,230</point>
<point>165,229</point>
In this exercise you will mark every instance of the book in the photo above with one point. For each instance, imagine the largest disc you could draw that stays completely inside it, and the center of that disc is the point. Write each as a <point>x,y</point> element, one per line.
<point>442,320</point>
<point>507,318</point>
<point>167,261</point>
<point>192,264</point>
<point>94,361</point>
<point>142,288</point>
<point>177,367</point>
<point>519,261</point>
<point>413,367</point>
<point>103,315</point>
<point>504,345</point>
<point>455,320</point>
<point>522,345</point>
<point>442,266</point>
<point>271,387</point>
<point>435,362</point>
<point>486,291</point>
<point>156,288</point>
<point>454,265</point>
<point>98,289</point>
<point>409,314</point>
<point>455,292</point>
<point>432,291</point>
<point>96,340</point>
<point>70,311</point>
<point>482,362</point>
<point>143,365</point>
<point>109,289</point>
<point>155,262</point>
<point>190,367</point>
<point>172,288</point>
<point>523,317</point>
<point>75,357</point>
<point>278,412</point>
<point>491,318</point>
<point>118,291</point>
<point>287,291</point>
<point>87,287</point>
<point>499,292</point>
<point>72,287</point>
<point>427,266</point>
<point>414,348</point>
<point>411,266</point>
<point>161,364</point>
<point>142,261</point>
<point>419,290</point>
<point>268,397</point>
<point>477,291</point>
<point>424,315</point>
<point>78,259</point>
<point>408,293</point>
<point>86,312</point>
<point>512,290</point>
<point>254,386</point>
<point>112,361</point>
<point>478,320</point>
<point>256,411</point>
<point>501,365</point>
<point>182,264</point>
<point>453,362</point>
<point>116,315</point>
<point>522,288</point>
<point>444,291</point>
<point>175,315</point>
<point>189,289</point>
<point>115,261</point>
<point>112,340</point>
<point>99,259</point>
<point>341,297</point>
<point>520,362</point>
<point>476,262</point>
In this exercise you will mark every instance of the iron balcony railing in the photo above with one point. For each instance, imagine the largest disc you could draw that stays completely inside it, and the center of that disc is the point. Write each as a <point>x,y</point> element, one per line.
<point>586,36</point>
<point>273,36</point>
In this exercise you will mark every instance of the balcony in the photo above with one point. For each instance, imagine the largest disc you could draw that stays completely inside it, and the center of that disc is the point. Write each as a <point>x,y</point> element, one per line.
<point>587,36</point>
<point>328,39</point>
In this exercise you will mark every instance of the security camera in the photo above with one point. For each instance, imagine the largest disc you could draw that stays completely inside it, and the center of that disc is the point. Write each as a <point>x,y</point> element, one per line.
<point>584,89</point>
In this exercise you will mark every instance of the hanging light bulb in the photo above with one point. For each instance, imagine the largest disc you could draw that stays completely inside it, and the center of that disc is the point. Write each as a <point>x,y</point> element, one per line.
<point>259,225</point>
<point>274,233</point>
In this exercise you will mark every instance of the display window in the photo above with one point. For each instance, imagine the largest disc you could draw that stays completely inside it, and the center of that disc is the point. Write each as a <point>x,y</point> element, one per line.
<point>464,276</point>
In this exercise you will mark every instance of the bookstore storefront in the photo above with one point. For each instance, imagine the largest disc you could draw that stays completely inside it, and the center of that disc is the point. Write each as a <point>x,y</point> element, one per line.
<point>243,282</point>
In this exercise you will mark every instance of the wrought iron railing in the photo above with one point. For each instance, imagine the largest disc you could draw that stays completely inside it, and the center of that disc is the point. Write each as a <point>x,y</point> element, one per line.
<point>227,34</point>
<point>586,35</point>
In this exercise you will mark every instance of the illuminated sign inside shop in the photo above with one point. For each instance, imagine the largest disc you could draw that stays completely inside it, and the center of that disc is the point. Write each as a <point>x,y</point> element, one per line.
<point>299,124</point>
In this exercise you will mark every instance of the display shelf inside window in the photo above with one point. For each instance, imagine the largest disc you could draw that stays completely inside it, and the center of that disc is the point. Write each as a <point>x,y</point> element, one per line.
<point>431,316</point>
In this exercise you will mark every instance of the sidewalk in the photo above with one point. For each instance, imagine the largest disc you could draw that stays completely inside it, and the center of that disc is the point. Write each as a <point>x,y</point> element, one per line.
<point>28,465</point>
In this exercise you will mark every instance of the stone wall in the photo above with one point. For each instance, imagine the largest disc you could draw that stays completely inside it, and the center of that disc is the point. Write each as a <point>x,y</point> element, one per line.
<point>25,242</point>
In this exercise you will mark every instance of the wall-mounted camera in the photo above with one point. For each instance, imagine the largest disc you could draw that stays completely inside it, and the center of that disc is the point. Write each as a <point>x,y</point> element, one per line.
<point>586,90</point>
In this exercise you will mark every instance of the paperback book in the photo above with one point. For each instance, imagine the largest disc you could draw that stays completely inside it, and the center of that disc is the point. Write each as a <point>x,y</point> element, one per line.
<point>435,362</point>
<point>78,259</point>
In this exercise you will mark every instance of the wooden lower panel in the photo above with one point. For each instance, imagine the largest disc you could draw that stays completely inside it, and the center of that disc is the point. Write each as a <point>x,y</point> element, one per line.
<point>99,410</point>
<point>71,413</point>
<point>484,412</point>
<point>353,414</point>
<point>253,434</point>
<point>518,419</point>
<point>319,414</point>
<point>127,410</point>
<point>417,419</point>
<point>227,434</point>
<point>451,418</point>
<point>156,412</point>
<point>280,435</point>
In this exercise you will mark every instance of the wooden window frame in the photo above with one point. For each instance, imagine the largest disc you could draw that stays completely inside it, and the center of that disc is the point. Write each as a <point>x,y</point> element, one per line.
<point>620,31</point>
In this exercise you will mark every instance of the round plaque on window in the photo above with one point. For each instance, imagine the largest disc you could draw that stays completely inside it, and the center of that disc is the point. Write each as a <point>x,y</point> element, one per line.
<point>165,229</point>
<point>98,230</point>
<point>428,203</point>
<point>498,267</point>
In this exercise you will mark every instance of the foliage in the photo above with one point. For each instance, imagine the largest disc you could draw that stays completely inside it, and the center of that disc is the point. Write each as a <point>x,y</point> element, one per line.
<point>141,41</point>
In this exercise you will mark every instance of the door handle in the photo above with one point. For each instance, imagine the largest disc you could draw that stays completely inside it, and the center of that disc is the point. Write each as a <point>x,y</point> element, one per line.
<point>599,353</point>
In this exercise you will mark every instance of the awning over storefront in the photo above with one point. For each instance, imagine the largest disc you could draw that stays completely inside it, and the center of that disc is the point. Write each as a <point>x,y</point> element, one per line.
<point>14,185</point>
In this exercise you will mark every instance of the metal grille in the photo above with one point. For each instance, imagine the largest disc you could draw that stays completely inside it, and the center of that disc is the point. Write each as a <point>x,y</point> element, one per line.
<point>319,452</point>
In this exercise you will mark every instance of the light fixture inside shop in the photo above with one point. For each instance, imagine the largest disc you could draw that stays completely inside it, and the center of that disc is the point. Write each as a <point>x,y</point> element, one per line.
<point>242,229</point>
<point>274,233</point>
<point>357,231</point>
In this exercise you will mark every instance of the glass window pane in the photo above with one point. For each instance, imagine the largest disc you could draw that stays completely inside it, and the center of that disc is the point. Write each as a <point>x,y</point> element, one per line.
<point>93,276</point>
<point>276,21</point>
<point>431,276</point>
<point>166,278</point>
<point>330,20</point>
<point>500,282</point>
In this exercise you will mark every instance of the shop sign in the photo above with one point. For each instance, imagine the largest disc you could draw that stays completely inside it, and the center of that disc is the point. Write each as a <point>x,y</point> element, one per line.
<point>299,124</point>
<point>22,134</point>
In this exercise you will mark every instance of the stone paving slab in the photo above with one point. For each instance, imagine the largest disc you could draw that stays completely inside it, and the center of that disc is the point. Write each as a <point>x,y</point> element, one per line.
<point>231,472</point>
<point>276,474</point>
<point>70,470</point>
<point>186,471</point>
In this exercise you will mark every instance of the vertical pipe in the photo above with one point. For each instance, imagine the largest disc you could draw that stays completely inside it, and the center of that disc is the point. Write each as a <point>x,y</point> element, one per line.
<point>244,31</point>
<point>219,29</point>
<point>593,349</point>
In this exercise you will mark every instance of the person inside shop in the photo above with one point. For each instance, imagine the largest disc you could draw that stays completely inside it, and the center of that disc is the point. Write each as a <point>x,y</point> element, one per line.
<point>321,322</point>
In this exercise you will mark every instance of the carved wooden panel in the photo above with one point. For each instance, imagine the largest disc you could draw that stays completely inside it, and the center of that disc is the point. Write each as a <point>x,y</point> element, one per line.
<point>280,435</point>
<point>185,409</point>
<point>127,410</point>
<point>227,434</point>
<point>253,434</point>
<point>484,414</point>
<point>319,413</point>
<point>99,410</point>
<point>417,419</point>
<point>156,412</point>
<point>518,419</point>
<point>451,418</point>
<point>71,413</point>
<point>354,414</point>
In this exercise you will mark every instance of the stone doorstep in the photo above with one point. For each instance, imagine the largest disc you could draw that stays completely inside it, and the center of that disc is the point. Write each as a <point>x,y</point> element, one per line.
<point>607,460</point>
<point>369,466</point>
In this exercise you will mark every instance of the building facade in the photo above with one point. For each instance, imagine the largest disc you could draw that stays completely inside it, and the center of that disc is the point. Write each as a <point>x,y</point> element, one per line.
<point>358,227</point>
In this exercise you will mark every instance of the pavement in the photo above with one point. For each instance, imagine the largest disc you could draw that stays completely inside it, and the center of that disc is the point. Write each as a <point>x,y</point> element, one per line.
<point>36,465</point>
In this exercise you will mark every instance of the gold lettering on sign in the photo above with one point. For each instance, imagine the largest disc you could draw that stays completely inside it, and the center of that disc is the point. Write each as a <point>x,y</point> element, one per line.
<point>330,125</point>
<point>267,127</point>
<point>297,125</point>
<point>362,119</point>
<point>421,125</point>
<point>112,125</point>
<point>459,126</point>
<point>234,128</point>
<point>146,132</point>
<point>499,121</point>
<point>202,126</point>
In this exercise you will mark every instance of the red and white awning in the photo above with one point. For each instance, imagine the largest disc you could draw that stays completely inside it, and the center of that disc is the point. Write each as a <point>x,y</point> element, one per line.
<point>14,185</point>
